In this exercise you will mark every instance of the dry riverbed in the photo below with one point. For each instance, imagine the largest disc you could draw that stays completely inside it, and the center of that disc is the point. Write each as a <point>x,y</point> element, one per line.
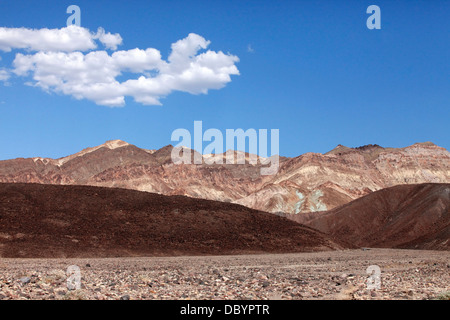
<point>405,274</point>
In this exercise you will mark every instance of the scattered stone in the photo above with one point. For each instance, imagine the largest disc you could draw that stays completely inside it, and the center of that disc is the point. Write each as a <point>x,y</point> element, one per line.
<point>250,277</point>
<point>25,280</point>
<point>61,292</point>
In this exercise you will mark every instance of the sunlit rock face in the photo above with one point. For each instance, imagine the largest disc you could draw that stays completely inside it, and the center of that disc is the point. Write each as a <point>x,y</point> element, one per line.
<point>311,182</point>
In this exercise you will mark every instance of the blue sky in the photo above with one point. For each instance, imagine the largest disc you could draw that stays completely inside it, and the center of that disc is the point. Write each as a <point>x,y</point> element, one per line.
<point>314,71</point>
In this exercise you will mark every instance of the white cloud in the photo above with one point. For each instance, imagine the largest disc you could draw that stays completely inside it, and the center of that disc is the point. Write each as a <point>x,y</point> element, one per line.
<point>110,41</point>
<point>68,39</point>
<point>138,60</point>
<point>4,75</point>
<point>93,75</point>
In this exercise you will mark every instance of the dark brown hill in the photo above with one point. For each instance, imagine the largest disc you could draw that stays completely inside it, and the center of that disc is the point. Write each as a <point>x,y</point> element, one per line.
<point>404,216</point>
<point>83,221</point>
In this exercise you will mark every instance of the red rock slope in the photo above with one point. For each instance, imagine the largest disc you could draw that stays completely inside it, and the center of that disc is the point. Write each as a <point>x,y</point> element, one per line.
<point>406,216</point>
<point>83,221</point>
<point>308,183</point>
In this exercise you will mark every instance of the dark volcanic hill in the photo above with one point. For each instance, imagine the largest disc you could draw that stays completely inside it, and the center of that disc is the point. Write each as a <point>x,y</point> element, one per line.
<point>405,216</point>
<point>82,221</point>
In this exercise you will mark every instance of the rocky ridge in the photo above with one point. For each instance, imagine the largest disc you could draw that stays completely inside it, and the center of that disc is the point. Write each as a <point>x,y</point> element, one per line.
<point>308,183</point>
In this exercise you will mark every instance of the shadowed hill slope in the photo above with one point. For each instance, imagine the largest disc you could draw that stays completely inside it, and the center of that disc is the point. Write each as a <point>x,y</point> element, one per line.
<point>83,221</point>
<point>404,216</point>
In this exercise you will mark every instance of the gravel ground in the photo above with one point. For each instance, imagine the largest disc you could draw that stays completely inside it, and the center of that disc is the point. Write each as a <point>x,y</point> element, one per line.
<point>405,274</point>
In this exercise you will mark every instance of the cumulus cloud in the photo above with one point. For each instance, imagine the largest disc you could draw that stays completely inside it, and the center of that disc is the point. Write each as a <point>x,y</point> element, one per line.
<point>61,67</point>
<point>68,61</point>
<point>71,38</point>
<point>110,41</point>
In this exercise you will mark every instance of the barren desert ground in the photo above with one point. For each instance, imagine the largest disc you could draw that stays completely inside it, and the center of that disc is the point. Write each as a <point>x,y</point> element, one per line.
<point>405,274</point>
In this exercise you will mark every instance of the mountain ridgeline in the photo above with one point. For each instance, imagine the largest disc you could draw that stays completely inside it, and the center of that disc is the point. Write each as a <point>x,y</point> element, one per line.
<point>311,182</point>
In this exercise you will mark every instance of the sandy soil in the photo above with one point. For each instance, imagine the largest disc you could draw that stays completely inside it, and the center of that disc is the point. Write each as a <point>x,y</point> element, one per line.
<point>405,274</point>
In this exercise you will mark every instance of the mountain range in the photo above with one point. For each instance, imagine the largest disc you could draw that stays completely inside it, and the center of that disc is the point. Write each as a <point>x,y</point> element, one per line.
<point>311,182</point>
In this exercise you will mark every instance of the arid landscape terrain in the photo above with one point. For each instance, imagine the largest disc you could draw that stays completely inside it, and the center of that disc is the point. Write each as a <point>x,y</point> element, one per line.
<point>308,183</point>
<point>340,275</point>
<point>198,236</point>
<point>404,216</point>
<point>82,221</point>
<point>240,151</point>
